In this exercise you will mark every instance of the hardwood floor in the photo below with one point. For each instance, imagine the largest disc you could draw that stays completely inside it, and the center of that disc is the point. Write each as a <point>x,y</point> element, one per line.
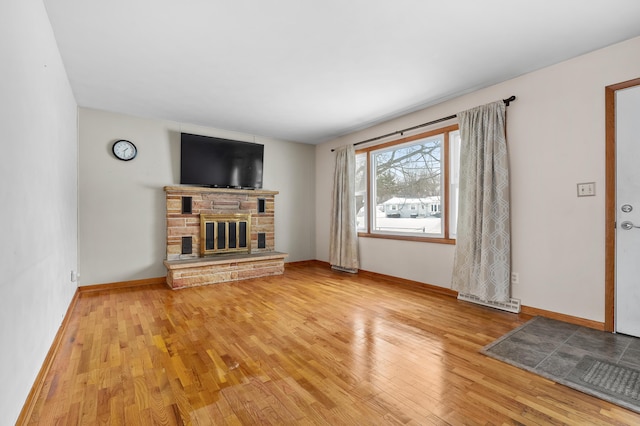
<point>310,347</point>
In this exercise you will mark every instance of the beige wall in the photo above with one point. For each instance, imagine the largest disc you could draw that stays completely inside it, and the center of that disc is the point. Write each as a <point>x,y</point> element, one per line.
<point>122,210</point>
<point>38,188</point>
<point>556,134</point>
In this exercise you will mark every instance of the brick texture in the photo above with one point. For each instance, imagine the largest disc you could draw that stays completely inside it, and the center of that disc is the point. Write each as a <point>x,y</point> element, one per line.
<point>218,201</point>
<point>197,274</point>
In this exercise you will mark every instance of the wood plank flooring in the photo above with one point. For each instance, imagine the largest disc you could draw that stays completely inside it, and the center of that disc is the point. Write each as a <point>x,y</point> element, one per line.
<point>310,347</point>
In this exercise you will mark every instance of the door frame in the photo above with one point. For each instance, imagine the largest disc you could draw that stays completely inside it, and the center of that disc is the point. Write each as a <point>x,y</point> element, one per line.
<point>610,201</point>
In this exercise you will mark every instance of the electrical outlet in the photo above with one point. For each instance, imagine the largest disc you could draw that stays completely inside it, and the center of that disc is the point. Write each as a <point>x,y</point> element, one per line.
<point>74,276</point>
<point>515,278</point>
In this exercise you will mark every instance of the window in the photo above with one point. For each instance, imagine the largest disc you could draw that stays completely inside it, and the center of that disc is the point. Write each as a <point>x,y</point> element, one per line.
<point>408,189</point>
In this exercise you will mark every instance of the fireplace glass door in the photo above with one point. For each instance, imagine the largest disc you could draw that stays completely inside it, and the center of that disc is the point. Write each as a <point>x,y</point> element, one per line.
<point>225,233</point>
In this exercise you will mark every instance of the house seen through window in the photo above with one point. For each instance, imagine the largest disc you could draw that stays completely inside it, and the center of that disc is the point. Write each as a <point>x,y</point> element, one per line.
<point>408,188</point>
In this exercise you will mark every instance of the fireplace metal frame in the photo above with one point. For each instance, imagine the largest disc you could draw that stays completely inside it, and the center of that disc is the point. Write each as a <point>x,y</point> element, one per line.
<point>236,218</point>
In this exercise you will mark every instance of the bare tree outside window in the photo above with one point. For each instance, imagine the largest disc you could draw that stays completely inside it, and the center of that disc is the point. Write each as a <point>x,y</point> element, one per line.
<point>407,186</point>
<point>411,171</point>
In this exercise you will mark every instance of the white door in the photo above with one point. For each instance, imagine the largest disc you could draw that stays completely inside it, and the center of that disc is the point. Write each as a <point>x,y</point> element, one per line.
<point>627,284</point>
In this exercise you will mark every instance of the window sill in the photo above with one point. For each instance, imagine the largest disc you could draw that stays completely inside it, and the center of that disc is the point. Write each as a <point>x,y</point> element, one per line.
<point>449,241</point>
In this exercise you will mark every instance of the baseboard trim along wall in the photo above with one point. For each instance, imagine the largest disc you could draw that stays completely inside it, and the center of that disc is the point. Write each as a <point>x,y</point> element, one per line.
<point>123,284</point>
<point>562,317</point>
<point>526,310</point>
<point>29,404</point>
<point>425,286</point>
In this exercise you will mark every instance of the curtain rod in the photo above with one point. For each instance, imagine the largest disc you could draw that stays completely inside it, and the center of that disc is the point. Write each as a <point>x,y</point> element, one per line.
<point>506,102</point>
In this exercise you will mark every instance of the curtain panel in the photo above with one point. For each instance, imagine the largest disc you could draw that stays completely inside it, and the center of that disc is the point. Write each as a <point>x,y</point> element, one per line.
<point>482,263</point>
<point>343,238</point>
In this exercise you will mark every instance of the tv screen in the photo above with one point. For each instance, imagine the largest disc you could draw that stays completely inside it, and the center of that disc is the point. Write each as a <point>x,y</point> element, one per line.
<point>220,163</point>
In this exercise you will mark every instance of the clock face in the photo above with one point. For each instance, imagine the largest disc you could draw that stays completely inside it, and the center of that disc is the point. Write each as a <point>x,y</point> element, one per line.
<point>124,150</point>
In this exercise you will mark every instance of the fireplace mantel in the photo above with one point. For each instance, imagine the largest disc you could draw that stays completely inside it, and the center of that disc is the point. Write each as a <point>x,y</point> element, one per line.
<point>206,190</point>
<point>186,261</point>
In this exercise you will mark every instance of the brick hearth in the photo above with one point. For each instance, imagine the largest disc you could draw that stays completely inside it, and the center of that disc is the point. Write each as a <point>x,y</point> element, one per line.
<point>185,262</point>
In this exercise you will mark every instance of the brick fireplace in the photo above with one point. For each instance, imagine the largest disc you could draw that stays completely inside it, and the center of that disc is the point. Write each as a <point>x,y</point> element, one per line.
<point>216,235</point>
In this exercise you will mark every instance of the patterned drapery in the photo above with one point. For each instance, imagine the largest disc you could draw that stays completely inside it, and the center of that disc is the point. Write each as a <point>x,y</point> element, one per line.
<point>343,243</point>
<point>482,264</point>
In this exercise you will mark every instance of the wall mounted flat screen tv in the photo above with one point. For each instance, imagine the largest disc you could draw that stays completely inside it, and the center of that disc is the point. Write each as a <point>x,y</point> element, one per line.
<point>220,163</point>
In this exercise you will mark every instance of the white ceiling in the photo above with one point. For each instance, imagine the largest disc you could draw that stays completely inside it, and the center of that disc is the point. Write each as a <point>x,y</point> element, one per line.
<point>309,71</point>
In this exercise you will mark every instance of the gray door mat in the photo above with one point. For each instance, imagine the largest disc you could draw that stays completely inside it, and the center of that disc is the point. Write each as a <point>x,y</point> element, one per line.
<point>564,353</point>
<point>609,380</point>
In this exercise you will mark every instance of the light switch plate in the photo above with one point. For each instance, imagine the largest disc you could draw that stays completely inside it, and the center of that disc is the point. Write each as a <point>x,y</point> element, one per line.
<point>587,189</point>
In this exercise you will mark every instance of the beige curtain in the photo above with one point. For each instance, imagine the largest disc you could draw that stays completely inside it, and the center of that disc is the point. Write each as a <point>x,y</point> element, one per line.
<point>343,244</point>
<point>482,264</point>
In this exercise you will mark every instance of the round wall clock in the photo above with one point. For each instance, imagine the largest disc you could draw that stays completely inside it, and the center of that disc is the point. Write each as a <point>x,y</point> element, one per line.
<point>124,150</point>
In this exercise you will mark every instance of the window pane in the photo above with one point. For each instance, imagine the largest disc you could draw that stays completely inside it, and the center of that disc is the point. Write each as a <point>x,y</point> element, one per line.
<point>454,174</point>
<point>361,191</point>
<point>407,188</point>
